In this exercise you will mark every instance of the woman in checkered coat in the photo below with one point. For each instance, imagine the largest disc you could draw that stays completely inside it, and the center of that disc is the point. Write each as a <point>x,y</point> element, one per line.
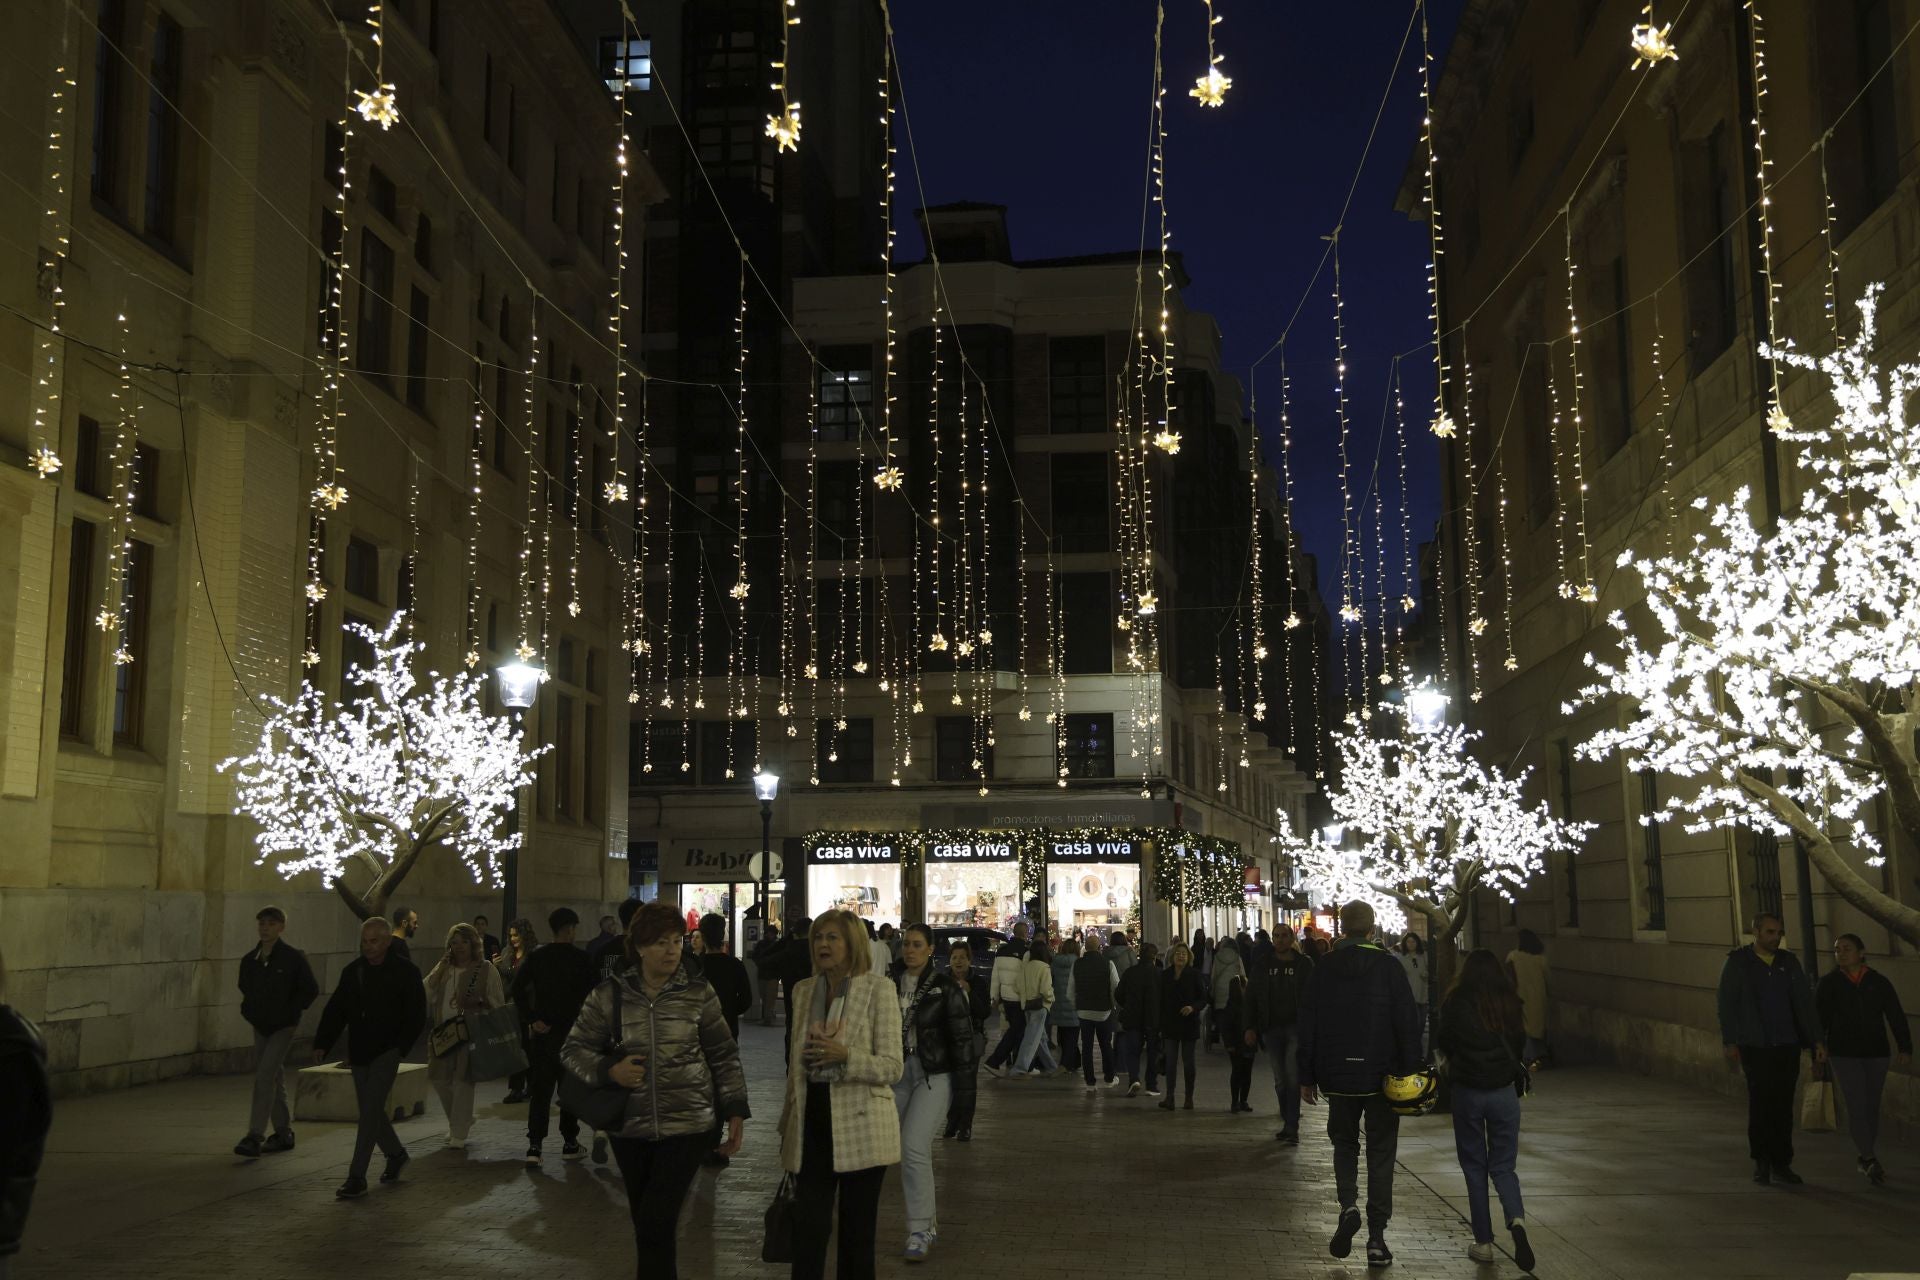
<point>839,1129</point>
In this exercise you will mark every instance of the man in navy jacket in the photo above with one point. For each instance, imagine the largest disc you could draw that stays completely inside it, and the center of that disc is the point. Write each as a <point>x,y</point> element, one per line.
<point>276,986</point>
<point>1358,1025</point>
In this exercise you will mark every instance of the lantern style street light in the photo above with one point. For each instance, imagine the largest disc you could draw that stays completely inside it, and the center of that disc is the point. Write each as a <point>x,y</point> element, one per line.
<point>767,787</point>
<point>519,685</point>
<point>1427,708</point>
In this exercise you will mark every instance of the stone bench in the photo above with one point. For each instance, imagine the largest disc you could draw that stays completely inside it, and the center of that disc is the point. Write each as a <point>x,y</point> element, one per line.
<point>326,1093</point>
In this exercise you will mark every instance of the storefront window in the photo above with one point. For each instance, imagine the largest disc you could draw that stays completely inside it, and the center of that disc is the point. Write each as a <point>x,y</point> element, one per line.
<point>1092,883</point>
<point>974,883</point>
<point>858,876</point>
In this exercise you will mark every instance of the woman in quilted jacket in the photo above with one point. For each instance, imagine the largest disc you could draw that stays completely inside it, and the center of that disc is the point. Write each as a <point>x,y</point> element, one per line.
<point>658,1031</point>
<point>839,1129</point>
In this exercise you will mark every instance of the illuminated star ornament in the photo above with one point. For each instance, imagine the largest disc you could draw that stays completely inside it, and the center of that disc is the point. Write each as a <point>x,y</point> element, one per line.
<point>889,478</point>
<point>614,491</point>
<point>1443,426</point>
<point>45,461</point>
<point>381,106</point>
<point>1167,441</point>
<point>1650,44</point>
<point>1149,603</point>
<point>1778,422</point>
<point>1211,89</point>
<point>784,129</point>
<point>331,496</point>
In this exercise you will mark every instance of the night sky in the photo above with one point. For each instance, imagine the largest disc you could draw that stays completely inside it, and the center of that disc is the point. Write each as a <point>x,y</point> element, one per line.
<point>1041,105</point>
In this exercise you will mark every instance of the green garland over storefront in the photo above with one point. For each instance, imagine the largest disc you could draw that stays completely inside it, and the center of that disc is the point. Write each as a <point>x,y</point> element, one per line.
<point>1203,871</point>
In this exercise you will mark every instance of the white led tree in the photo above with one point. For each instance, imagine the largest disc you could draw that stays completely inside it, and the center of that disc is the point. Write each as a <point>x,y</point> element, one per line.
<point>373,784</point>
<point>1783,673</point>
<point>1425,825</point>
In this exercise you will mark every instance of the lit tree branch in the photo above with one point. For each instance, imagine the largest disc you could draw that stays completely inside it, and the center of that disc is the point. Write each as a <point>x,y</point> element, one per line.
<point>401,769</point>
<point>1783,678</point>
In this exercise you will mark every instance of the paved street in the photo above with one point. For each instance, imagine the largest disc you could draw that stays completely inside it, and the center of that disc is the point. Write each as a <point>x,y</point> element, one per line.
<point>1624,1178</point>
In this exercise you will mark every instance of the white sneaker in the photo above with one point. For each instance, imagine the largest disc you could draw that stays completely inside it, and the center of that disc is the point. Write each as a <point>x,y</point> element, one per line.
<point>999,1072</point>
<point>458,1144</point>
<point>1153,1093</point>
<point>919,1244</point>
<point>1481,1252</point>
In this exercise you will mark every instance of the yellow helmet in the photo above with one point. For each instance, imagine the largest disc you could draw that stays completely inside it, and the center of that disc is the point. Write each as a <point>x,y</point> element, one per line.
<point>1412,1095</point>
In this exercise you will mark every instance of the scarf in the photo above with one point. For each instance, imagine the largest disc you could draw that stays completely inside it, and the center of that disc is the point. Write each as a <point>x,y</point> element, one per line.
<point>829,1019</point>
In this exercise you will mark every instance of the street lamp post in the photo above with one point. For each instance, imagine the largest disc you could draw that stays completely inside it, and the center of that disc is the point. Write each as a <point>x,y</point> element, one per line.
<point>519,685</point>
<point>766,786</point>
<point>1427,713</point>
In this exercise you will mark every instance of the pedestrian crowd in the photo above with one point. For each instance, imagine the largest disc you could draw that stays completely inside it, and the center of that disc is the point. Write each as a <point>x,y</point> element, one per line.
<point>636,1032</point>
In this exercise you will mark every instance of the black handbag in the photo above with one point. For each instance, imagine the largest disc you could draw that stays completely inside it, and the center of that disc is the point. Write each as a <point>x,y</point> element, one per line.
<point>777,1244</point>
<point>602,1106</point>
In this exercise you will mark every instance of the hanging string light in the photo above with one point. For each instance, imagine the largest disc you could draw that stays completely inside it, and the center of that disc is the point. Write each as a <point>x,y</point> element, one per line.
<point>1666,424</point>
<point>1210,90</point>
<point>530,530</point>
<point>1476,620</point>
<point>1555,431</point>
<point>1582,590</point>
<point>1349,552</point>
<point>1777,420</point>
<point>474,438</point>
<point>1257,636</point>
<point>889,476</point>
<point>1650,44</point>
<point>1291,622</point>
<point>1443,424</point>
<point>739,653</point>
<point>381,106</point>
<point>937,642</point>
<point>124,470</point>
<point>43,453</point>
<point>1510,662</point>
<point>574,460</point>
<point>614,491</point>
<point>784,128</point>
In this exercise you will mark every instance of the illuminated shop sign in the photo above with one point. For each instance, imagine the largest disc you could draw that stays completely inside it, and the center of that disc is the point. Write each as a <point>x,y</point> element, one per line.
<point>1093,850</point>
<point>972,851</point>
<point>855,851</point>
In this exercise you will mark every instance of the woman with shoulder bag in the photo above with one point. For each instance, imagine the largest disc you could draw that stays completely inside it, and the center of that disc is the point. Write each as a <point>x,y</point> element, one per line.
<point>1183,994</point>
<point>979,1008</point>
<point>658,1031</point>
<point>936,1025</point>
<point>1036,997</point>
<point>1482,1033</point>
<point>461,983</point>
<point>839,1129</point>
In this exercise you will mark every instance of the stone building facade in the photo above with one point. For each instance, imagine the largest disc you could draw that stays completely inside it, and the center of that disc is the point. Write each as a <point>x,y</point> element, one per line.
<point>1552,148</point>
<point>199,160</point>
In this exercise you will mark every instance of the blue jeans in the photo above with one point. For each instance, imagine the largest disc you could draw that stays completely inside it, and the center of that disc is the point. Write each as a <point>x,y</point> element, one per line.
<point>1283,1045</point>
<point>1486,1135</point>
<point>1033,1045</point>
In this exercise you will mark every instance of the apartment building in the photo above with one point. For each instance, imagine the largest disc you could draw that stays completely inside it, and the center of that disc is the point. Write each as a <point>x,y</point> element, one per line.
<point>937,813</point>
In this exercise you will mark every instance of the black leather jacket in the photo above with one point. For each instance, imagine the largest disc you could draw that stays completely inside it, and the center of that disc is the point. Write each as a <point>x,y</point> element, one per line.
<point>943,1030</point>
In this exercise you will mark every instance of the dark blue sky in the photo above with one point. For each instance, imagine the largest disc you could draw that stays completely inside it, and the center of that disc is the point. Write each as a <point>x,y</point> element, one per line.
<point>1041,105</point>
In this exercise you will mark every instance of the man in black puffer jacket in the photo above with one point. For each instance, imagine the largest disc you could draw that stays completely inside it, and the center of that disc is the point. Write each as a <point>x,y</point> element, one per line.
<point>1358,1026</point>
<point>1275,982</point>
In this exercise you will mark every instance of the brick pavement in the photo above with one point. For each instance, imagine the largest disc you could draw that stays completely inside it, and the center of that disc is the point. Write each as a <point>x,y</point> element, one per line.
<point>1625,1177</point>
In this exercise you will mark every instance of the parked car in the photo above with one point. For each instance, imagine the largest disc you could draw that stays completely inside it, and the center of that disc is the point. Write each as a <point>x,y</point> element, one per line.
<point>983,942</point>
